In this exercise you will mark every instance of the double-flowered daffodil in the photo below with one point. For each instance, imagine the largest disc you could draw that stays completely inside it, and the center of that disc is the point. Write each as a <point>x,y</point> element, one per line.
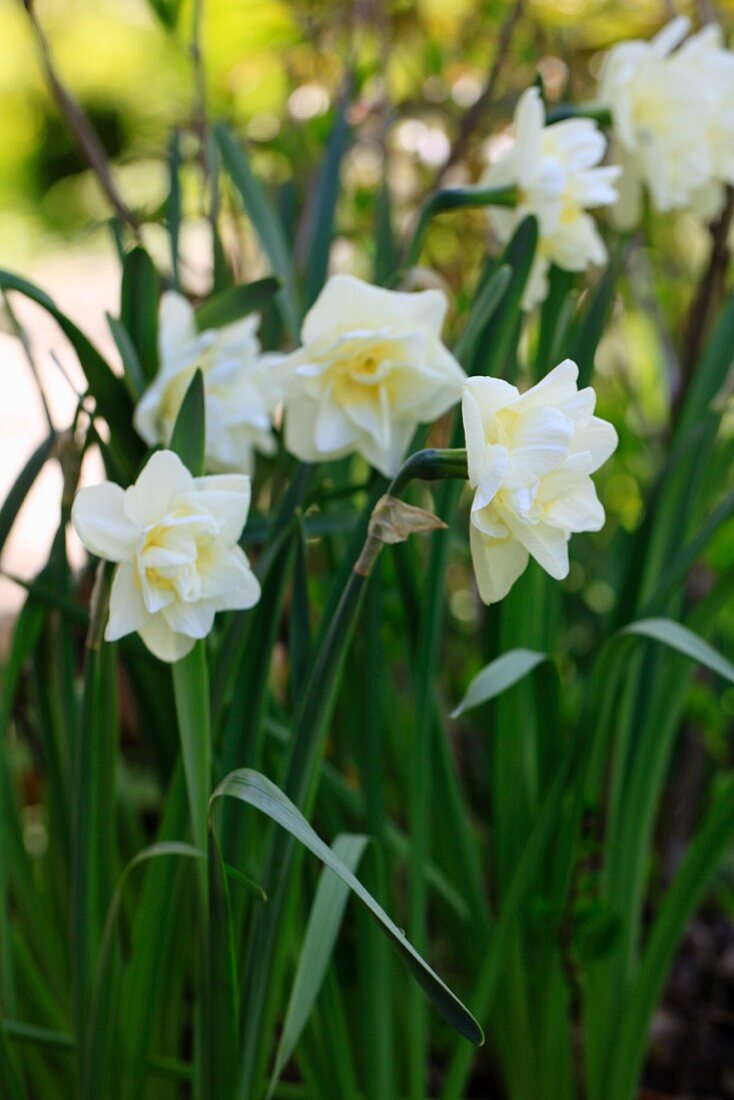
<point>240,391</point>
<point>530,457</point>
<point>556,172</point>
<point>672,105</point>
<point>372,367</point>
<point>174,538</point>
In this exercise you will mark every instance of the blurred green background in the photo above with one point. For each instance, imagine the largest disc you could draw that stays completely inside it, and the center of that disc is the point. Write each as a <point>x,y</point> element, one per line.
<point>275,69</point>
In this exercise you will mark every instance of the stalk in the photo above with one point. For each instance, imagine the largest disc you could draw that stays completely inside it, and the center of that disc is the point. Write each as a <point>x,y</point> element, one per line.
<point>455,198</point>
<point>301,775</point>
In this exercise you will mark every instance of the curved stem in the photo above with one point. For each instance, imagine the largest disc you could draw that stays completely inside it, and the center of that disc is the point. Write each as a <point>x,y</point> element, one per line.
<point>455,199</point>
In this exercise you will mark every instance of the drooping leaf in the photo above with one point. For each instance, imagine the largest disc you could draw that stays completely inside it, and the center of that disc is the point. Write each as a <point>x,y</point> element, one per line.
<point>255,790</point>
<point>683,640</point>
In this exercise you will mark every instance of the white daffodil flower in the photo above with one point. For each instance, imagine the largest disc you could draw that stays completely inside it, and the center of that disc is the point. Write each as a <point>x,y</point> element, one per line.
<point>672,105</point>
<point>174,538</point>
<point>530,457</point>
<point>372,367</point>
<point>556,172</point>
<point>240,389</point>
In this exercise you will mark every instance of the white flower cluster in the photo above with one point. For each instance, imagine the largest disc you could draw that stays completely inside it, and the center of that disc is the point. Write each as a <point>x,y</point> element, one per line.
<point>530,459</point>
<point>558,178</point>
<point>174,538</point>
<point>672,105</point>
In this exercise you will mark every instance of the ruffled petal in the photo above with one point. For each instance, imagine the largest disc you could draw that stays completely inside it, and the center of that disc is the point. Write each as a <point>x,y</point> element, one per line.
<point>497,564</point>
<point>163,642</point>
<point>161,481</point>
<point>100,520</point>
<point>127,610</point>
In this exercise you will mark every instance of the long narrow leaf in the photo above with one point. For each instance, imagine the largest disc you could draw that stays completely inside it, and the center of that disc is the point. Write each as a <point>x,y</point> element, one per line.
<point>683,640</point>
<point>322,929</point>
<point>498,676</point>
<point>257,791</point>
<point>22,486</point>
<point>264,220</point>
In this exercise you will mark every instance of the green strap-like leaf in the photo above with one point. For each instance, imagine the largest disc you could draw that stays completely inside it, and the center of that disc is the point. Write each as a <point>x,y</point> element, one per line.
<point>327,195</point>
<point>133,371</point>
<point>322,929</point>
<point>22,486</point>
<point>682,639</point>
<point>104,1000</point>
<point>235,302</point>
<point>188,439</point>
<point>498,676</point>
<point>12,1087</point>
<point>496,349</point>
<point>255,790</point>
<point>139,307</point>
<point>590,327</point>
<point>710,845</point>
<point>224,997</point>
<point>484,305</point>
<point>265,221</point>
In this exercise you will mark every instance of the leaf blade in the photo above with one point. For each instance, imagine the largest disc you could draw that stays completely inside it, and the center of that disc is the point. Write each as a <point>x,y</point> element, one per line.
<point>498,676</point>
<point>255,790</point>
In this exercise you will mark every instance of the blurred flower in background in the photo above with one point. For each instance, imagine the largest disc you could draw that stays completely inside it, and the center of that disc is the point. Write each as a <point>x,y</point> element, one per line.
<point>556,170</point>
<point>672,104</point>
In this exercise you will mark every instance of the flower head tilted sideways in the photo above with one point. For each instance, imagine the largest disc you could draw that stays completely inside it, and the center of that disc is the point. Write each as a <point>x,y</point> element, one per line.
<point>672,105</point>
<point>174,538</point>
<point>372,367</point>
<point>557,174</point>
<point>240,390</point>
<point>530,457</point>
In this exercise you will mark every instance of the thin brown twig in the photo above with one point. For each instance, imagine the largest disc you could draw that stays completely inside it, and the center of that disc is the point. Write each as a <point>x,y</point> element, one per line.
<point>81,128</point>
<point>474,114</point>
<point>707,300</point>
<point>22,336</point>
<point>210,192</point>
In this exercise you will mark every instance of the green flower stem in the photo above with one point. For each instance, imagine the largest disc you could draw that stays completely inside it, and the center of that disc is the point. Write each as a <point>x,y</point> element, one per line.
<point>597,112</point>
<point>191,693</point>
<point>427,656</point>
<point>300,779</point>
<point>455,198</point>
<point>430,464</point>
